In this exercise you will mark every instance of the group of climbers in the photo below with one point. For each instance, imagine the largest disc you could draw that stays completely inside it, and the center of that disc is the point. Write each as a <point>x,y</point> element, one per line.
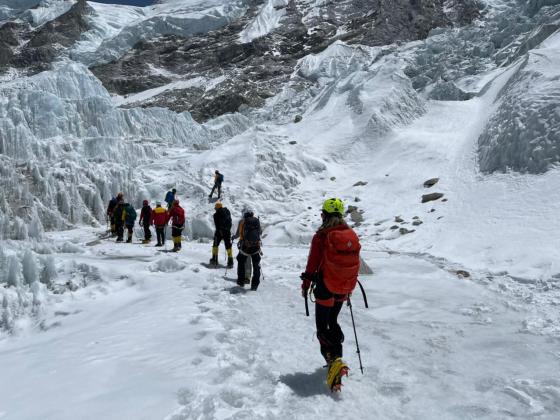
<point>123,215</point>
<point>332,266</point>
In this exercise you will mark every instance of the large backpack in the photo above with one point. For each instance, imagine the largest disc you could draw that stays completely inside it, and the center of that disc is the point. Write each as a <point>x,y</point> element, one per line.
<point>178,216</point>
<point>220,178</point>
<point>130,214</point>
<point>224,219</point>
<point>341,260</point>
<point>251,235</point>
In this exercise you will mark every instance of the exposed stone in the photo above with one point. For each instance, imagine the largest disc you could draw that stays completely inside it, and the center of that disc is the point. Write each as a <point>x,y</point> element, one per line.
<point>417,222</point>
<point>431,197</point>
<point>298,118</point>
<point>394,227</point>
<point>365,269</point>
<point>357,199</point>
<point>431,182</point>
<point>463,273</point>
<point>444,200</point>
<point>405,231</point>
<point>415,218</point>
<point>356,217</point>
<point>398,219</point>
<point>333,178</point>
<point>360,184</point>
<point>293,142</point>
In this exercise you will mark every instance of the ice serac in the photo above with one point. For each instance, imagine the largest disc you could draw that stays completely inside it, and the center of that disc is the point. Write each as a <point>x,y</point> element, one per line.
<point>65,148</point>
<point>524,132</point>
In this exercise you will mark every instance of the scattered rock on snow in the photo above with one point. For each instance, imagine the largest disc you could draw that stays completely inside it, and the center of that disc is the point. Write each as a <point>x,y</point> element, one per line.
<point>333,178</point>
<point>356,217</point>
<point>364,267</point>
<point>398,219</point>
<point>417,223</point>
<point>444,200</point>
<point>298,118</point>
<point>360,184</point>
<point>431,182</point>
<point>463,273</point>
<point>293,142</point>
<point>405,231</point>
<point>394,227</point>
<point>415,218</point>
<point>431,197</point>
<point>357,199</point>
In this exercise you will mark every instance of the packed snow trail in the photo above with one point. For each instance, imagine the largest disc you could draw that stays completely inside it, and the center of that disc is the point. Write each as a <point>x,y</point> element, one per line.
<point>185,342</point>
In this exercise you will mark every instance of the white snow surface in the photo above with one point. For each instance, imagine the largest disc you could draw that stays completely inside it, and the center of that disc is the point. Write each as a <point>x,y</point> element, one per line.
<point>94,329</point>
<point>188,343</point>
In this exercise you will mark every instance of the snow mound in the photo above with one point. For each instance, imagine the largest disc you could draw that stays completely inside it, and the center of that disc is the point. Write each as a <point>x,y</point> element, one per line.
<point>524,132</point>
<point>167,265</point>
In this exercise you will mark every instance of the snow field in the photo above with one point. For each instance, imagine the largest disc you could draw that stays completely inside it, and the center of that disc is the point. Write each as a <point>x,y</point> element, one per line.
<point>142,341</point>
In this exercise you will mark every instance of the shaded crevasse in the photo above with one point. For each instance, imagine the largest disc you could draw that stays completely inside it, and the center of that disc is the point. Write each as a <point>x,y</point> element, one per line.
<point>523,134</point>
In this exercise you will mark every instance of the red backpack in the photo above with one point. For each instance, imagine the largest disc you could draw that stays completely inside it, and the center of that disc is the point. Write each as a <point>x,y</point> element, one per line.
<point>178,215</point>
<point>341,260</point>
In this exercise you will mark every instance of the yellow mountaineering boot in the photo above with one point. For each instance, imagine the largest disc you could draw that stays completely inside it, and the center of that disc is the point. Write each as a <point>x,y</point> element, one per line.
<point>337,369</point>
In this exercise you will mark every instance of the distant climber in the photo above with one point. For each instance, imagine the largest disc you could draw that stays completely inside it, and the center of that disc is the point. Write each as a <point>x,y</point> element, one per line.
<point>110,209</point>
<point>146,220</point>
<point>118,219</point>
<point>249,245</point>
<point>222,222</point>
<point>332,273</point>
<point>170,197</point>
<point>159,220</point>
<point>218,179</point>
<point>177,217</point>
<point>129,217</point>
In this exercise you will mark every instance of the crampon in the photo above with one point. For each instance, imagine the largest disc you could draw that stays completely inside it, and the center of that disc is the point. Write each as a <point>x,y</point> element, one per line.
<point>337,370</point>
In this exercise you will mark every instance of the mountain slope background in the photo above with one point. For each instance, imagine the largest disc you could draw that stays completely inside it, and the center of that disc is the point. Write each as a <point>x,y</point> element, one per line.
<point>294,101</point>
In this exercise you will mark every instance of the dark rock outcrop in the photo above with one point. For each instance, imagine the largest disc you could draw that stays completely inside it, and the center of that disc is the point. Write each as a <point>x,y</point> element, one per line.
<point>257,70</point>
<point>33,50</point>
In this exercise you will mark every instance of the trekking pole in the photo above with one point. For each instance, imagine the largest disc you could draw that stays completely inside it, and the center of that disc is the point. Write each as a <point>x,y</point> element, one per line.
<point>355,335</point>
<point>363,293</point>
<point>225,274</point>
<point>306,305</point>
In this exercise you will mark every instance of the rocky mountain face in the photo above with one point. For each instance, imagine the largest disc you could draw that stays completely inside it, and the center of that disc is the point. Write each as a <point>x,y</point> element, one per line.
<point>31,50</point>
<point>236,73</point>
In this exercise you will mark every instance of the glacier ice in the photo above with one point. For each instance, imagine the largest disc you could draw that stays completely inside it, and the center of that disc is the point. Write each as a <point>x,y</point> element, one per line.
<point>524,132</point>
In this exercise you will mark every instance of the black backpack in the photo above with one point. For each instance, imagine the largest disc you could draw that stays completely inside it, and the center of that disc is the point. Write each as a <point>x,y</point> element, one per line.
<point>251,235</point>
<point>223,219</point>
<point>220,178</point>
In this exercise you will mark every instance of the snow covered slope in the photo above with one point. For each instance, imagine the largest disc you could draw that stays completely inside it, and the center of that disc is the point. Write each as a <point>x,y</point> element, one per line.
<point>342,113</point>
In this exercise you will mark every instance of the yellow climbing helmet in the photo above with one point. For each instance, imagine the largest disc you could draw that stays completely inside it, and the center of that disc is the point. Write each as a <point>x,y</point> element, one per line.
<point>218,205</point>
<point>333,205</point>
